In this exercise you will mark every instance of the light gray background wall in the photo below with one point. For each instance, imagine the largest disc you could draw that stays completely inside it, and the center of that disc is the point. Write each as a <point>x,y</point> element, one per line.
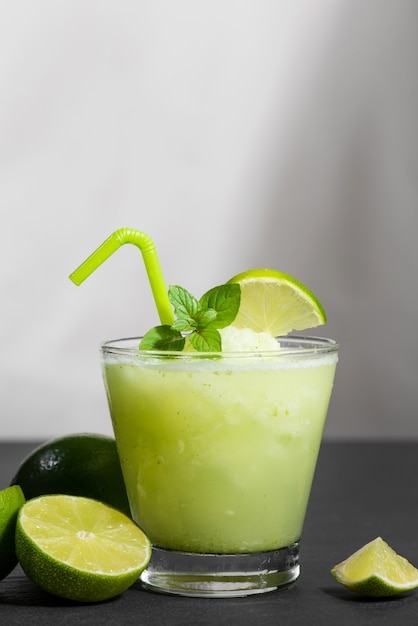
<point>238,134</point>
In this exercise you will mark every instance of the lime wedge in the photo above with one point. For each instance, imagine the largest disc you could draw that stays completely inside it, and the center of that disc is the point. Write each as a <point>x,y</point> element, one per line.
<point>376,570</point>
<point>276,303</point>
<point>79,548</point>
<point>11,500</point>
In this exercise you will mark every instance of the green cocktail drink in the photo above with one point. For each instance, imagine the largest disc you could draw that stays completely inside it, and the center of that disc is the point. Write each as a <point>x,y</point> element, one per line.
<point>218,453</point>
<point>218,425</point>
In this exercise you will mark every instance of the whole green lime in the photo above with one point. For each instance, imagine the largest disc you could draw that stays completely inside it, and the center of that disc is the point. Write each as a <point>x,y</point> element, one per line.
<point>82,464</point>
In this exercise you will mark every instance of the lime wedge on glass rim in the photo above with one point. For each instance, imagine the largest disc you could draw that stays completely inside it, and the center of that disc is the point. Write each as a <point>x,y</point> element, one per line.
<point>376,570</point>
<point>276,303</point>
<point>79,548</point>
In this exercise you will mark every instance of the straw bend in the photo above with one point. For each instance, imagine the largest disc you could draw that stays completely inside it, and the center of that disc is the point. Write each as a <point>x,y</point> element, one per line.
<point>136,237</point>
<point>142,241</point>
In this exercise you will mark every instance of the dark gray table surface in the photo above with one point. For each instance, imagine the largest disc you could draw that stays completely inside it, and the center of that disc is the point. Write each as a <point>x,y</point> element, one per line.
<point>361,490</point>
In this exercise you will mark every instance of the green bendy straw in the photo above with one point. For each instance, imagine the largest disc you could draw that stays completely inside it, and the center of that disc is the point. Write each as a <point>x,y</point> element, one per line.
<point>152,265</point>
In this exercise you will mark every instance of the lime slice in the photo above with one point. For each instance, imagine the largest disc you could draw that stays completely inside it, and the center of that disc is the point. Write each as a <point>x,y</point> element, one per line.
<point>276,303</point>
<point>376,571</point>
<point>11,500</point>
<point>78,548</point>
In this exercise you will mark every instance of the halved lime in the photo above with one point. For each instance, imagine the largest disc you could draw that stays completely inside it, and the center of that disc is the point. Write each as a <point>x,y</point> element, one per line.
<point>11,500</point>
<point>79,548</point>
<point>276,303</point>
<point>376,570</point>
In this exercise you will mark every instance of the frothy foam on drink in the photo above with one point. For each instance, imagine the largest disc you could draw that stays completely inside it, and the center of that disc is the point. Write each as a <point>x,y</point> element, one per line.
<point>246,340</point>
<point>244,350</point>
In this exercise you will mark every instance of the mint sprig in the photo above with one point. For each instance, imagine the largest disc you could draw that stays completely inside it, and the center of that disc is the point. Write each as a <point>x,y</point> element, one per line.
<point>199,319</point>
<point>162,338</point>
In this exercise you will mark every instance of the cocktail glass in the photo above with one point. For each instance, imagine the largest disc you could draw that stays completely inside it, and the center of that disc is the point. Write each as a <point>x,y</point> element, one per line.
<point>218,453</point>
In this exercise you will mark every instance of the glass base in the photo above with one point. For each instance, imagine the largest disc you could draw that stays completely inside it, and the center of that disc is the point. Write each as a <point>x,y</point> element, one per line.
<point>220,575</point>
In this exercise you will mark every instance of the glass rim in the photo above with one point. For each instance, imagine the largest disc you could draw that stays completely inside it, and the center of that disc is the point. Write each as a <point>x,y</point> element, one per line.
<point>288,345</point>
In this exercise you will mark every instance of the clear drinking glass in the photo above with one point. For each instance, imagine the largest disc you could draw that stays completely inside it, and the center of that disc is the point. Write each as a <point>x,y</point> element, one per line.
<point>218,453</point>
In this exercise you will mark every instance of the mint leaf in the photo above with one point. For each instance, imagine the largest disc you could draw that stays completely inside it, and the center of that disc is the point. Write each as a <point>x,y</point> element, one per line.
<point>203,318</point>
<point>162,338</point>
<point>207,340</point>
<point>185,305</point>
<point>225,300</point>
<point>184,325</point>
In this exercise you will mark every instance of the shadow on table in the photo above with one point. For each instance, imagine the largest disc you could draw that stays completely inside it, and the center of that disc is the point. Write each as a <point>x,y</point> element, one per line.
<point>18,590</point>
<point>349,596</point>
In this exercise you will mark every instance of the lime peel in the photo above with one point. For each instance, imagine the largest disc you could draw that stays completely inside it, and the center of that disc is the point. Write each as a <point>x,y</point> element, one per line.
<point>11,500</point>
<point>376,570</point>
